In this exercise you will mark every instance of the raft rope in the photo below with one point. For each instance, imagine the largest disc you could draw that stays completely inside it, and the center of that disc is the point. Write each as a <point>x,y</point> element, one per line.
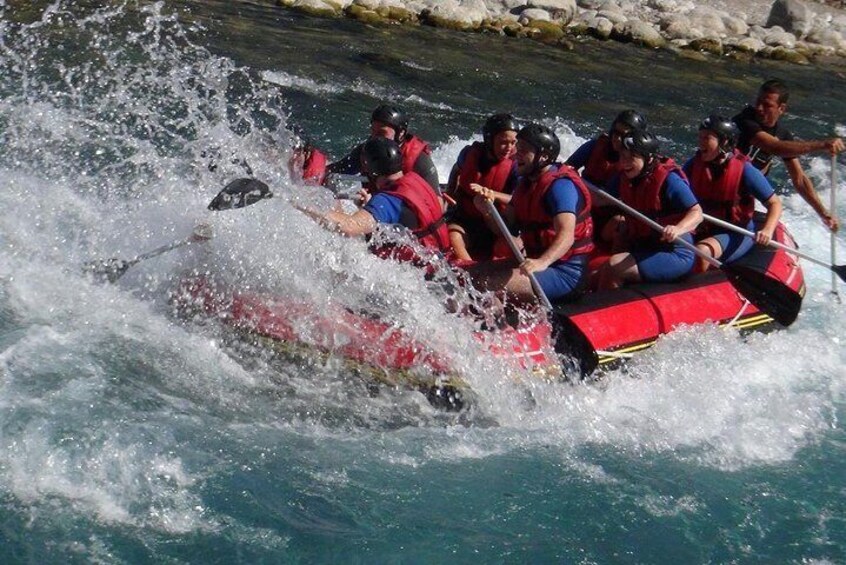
<point>737,316</point>
<point>614,354</point>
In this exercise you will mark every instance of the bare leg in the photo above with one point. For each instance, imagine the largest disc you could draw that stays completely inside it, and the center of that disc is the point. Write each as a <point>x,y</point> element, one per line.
<point>458,241</point>
<point>611,229</point>
<point>621,268</point>
<point>502,275</point>
<point>712,248</point>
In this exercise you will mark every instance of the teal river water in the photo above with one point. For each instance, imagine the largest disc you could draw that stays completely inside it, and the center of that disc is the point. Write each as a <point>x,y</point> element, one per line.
<point>130,435</point>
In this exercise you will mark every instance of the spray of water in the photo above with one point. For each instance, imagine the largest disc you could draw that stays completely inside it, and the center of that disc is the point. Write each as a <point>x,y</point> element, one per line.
<point>117,129</point>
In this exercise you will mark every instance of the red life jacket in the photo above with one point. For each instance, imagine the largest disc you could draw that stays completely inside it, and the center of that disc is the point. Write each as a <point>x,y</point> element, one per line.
<point>536,225</point>
<point>599,169</point>
<point>720,197</point>
<point>411,147</point>
<point>646,198</point>
<point>416,193</point>
<point>494,177</point>
<point>314,169</point>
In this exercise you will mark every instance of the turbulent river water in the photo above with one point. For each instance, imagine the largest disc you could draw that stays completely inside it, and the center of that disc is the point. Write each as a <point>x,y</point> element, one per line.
<point>129,434</point>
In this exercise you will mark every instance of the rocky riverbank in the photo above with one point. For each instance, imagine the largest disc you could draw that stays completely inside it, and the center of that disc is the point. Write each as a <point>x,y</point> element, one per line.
<point>790,30</point>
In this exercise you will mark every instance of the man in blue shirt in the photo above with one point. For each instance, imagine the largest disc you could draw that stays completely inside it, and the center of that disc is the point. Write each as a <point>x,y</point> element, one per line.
<point>550,208</point>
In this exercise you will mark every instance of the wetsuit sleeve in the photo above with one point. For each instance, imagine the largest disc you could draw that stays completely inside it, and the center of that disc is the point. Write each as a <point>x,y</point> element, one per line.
<point>687,166</point>
<point>349,165</point>
<point>386,209</point>
<point>680,197</point>
<point>562,196</point>
<point>512,180</point>
<point>755,183</point>
<point>425,167</point>
<point>580,156</point>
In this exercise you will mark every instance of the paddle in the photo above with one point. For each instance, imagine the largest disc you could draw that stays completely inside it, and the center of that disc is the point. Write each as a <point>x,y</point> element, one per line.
<point>240,193</point>
<point>839,270</point>
<point>767,294</point>
<point>503,230</point>
<point>112,269</point>
<point>832,209</point>
<point>237,194</point>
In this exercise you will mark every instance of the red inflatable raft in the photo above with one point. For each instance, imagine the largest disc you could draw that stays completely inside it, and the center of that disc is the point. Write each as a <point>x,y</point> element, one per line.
<point>595,330</point>
<point>604,327</point>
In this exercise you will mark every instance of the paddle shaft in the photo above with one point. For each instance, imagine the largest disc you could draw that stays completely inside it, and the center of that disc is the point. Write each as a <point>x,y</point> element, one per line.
<point>768,294</point>
<point>832,209</point>
<point>160,250</point>
<point>655,225</point>
<point>503,230</point>
<point>774,244</point>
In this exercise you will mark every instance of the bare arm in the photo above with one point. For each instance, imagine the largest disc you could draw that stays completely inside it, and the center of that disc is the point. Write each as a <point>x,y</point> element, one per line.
<point>805,188</point>
<point>765,234</point>
<point>507,215</point>
<point>565,226</point>
<point>790,149</point>
<point>692,218</point>
<point>361,222</point>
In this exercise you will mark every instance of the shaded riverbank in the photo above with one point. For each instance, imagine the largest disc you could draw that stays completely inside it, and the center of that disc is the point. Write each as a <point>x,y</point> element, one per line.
<point>787,30</point>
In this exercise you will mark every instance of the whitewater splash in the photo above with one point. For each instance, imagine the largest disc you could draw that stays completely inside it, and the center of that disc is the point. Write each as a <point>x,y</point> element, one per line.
<point>125,414</point>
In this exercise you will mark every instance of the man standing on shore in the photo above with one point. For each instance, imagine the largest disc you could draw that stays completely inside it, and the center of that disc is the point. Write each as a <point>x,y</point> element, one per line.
<point>762,137</point>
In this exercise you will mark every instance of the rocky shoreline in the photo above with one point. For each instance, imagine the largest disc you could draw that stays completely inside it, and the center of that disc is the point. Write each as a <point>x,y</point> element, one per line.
<point>788,30</point>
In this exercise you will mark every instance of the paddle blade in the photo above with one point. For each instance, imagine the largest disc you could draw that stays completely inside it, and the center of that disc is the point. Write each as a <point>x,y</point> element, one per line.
<point>770,295</point>
<point>108,270</point>
<point>840,271</point>
<point>240,193</point>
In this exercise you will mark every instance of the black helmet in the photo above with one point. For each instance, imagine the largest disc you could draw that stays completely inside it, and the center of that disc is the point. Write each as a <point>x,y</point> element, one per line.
<point>381,157</point>
<point>725,130</point>
<point>630,119</point>
<point>543,139</point>
<point>497,124</point>
<point>642,143</point>
<point>390,115</point>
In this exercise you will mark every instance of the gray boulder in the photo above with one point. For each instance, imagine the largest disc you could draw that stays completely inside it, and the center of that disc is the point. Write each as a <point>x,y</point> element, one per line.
<point>707,19</point>
<point>748,44</point>
<point>530,14</point>
<point>558,9</point>
<point>664,6</point>
<point>590,4</point>
<point>601,28</point>
<point>682,30</point>
<point>500,6</point>
<point>735,25</point>
<point>639,32</point>
<point>827,37</point>
<point>617,18</point>
<point>780,38</point>
<point>792,15</point>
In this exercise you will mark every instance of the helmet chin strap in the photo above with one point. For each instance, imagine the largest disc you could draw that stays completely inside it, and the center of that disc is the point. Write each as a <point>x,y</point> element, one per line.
<point>536,164</point>
<point>648,165</point>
